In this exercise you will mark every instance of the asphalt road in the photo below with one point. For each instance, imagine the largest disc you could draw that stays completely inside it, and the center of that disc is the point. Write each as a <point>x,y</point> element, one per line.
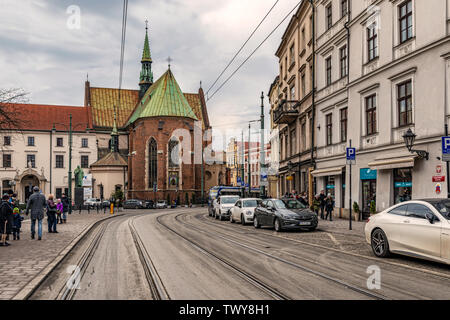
<point>184,254</point>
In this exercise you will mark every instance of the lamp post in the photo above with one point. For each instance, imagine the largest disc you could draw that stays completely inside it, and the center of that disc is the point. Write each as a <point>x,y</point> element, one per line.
<point>409,137</point>
<point>70,129</point>
<point>248,156</point>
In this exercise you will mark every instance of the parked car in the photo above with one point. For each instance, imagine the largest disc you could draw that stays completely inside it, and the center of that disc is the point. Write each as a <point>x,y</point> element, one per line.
<point>133,204</point>
<point>222,206</point>
<point>161,204</point>
<point>244,210</point>
<point>419,229</point>
<point>285,214</point>
<point>149,204</point>
<point>92,203</point>
<point>106,203</point>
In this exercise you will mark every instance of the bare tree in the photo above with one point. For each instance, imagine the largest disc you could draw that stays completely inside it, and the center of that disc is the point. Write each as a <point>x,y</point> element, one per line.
<point>10,117</point>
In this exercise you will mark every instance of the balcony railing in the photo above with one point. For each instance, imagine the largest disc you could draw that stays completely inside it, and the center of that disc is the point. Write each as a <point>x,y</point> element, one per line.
<point>287,112</point>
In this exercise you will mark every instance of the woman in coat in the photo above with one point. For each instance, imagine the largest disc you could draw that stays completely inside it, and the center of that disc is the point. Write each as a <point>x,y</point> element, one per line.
<point>51,214</point>
<point>329,207</point>
<point>6,214</point>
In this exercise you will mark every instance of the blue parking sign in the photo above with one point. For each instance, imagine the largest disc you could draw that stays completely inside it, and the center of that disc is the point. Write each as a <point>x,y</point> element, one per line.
<point>351,154</point>
<point>446,149</point>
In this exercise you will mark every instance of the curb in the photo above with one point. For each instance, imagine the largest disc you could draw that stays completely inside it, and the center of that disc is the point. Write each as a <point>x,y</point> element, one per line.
<point>29,288</point>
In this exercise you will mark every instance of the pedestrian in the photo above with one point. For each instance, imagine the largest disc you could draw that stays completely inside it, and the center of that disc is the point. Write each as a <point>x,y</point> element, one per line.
<point>17,225</point>
<point>322,204</point>
<point>51,214</point>
<point>65,202</point>
<point>329,206</point>
<point>5,218</point>
<point>59,211</point>
<point>36,204</point>
<point>303,200</point>
<point>316,204</point>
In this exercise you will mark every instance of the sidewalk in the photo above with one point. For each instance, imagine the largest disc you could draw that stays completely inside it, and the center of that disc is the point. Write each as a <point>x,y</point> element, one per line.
<point>21,262</point>
<point>341,226</point>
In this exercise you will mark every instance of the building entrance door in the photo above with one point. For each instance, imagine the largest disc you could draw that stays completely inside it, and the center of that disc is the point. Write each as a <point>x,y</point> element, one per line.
<point>369,194</point>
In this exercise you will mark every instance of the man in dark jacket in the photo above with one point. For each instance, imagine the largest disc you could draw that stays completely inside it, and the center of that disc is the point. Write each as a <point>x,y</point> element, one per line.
<point>36,203</point>
<point>6,212</point>
<point>65,202</point>
<point>322,204</point>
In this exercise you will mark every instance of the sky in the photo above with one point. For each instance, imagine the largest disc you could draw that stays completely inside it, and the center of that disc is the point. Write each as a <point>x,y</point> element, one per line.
<point>46,50</point>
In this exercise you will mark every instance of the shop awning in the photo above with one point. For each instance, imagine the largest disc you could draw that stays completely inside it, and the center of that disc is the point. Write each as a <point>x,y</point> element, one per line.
<point>336,171</point>
<point>393,163</point>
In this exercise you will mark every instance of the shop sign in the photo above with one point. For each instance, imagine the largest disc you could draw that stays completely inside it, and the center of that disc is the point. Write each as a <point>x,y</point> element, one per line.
<point>438,179</point>
<point>368,174</point>
<point>331,186</point>
<point>403,184</point>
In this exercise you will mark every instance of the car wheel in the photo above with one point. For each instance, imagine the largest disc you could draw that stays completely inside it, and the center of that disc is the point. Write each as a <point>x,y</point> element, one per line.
<point>242,220</point>
<point>231,219</point>
<point>256,223</point>
<point>277,225</point>
<point>380,244</point>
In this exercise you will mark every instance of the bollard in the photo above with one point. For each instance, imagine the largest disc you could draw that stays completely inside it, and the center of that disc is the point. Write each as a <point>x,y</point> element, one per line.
<point>98,208</point>
<point>104,208</point>
<point>80,209</point>
<point>112,208</point>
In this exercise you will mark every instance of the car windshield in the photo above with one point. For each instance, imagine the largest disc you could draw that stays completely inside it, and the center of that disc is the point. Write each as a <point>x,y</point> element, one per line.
<point>279,204</point>
<point>294,204</point>
<point>251,203</point>
<point>444,208</point>
<point>230,200</point>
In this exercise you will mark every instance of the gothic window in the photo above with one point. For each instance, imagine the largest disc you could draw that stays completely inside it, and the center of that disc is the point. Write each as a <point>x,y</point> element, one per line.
<point>153,163</point>
<point>174,154</point>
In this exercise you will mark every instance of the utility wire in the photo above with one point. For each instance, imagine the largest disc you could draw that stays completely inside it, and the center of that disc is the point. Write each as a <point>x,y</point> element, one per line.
<point>251,55</point>
<point>242,47</point>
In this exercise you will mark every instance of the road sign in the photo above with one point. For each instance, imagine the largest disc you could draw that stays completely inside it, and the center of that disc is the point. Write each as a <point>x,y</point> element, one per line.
<point>438,179</point>
<point>155,187</point>
<point>351,155</point>
<point>446,149</point>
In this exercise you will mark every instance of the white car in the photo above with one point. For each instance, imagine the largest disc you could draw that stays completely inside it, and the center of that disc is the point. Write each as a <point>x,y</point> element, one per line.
<point>418,229</point>
<point>161,204</point>
<point>222,206</point>
<point>244,210</point>
<point>93,202</point>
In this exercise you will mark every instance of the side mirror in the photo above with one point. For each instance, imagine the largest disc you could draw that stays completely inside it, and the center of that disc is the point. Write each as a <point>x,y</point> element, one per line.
<point>430,217</point>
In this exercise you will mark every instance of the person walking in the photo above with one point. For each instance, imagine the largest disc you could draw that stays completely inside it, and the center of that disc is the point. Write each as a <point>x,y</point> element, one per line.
<point>316,204</point>
<point>51,214</point>
<point>65,203</point>
<point>17,224</point>
<point>59,211</point>
<point>329,206</point>
<point>36,204</point>
<point>322,197</point>
<point>5,218</point>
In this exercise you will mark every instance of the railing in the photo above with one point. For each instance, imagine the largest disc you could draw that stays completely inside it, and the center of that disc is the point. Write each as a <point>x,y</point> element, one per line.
<point>286,112</point>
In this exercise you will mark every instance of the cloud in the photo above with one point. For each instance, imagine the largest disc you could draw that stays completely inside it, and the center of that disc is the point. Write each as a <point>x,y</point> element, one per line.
<point>49,60</point>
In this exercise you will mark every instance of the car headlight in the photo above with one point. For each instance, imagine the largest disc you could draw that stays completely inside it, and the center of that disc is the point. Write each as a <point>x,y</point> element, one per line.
<point>248,213</point>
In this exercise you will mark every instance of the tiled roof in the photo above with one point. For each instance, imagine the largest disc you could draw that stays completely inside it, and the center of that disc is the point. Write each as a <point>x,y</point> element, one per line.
<point>102,102</point>
<point>42,117</point>
<point>194,101</point>
<point>163,99</point>
<point>112,159</point>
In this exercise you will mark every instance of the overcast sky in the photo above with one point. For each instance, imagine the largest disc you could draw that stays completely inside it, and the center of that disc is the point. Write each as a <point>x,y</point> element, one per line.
<point>40,53</point>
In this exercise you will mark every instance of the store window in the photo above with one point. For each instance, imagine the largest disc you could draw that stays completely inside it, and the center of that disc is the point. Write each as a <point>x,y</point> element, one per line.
<point>402,185</point>
<point>330,186</point>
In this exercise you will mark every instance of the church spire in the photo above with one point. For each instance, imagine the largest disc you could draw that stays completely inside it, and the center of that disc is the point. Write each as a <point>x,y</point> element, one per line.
<point>146,78</point>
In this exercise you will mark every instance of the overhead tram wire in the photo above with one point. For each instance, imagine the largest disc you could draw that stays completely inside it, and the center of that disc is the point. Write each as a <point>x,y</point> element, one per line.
<point>251,55</point>
<point>122,51</point>
<point>242,47</point>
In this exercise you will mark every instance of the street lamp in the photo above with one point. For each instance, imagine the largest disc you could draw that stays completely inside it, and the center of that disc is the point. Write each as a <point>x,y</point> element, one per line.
<point>70,129</point>
<point>409,137</point>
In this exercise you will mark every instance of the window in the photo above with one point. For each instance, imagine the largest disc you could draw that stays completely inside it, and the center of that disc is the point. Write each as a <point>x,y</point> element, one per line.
<point>303,39</point>
<point>84,162</point>
<point>293,141</point>
<point>292,92</point>
<point>303,80</point>
<point>303,132</point>
<point>343,113</point>
<point>329,129</point>
<point>7,141</point>
<point>372,42</point>
<point>328,70</point>
<point>292,54</point>
<point>6,161</point>
<point>59,142</point>
<point>343,58</point>
<point>371,114</point>
<point>31,161</point>
<point>402,185</point>
<point>59,161</point>
<point>404,101</point>
<point>399,211</point>
<point>31,141</point>
<point>153,164</point>
<point>418,211</point>
<point>406,22</point>
<point>329,16</point>
<point>85,143</point>
<point>344,8</point>
<point>285,67</point>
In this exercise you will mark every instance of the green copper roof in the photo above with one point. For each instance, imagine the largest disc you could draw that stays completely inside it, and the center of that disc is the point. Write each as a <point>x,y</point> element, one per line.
<point>163,99</point>
<point>146,56</point>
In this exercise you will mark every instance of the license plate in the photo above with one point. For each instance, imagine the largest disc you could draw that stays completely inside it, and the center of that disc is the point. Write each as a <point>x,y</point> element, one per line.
<point>305,223</point>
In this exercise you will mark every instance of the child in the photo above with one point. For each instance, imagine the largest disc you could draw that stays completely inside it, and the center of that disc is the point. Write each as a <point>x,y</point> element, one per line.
<point>60,209</point>
<point>17,224</point>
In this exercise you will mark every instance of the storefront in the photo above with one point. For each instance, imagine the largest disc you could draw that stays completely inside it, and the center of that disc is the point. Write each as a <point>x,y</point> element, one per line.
<point>402,185</point>
<point>330,186</point>
<point>369,190</point>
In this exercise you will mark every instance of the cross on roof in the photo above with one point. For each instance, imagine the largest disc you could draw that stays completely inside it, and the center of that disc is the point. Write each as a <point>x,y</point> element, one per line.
<point>146,24</point>
<point>169,60</point>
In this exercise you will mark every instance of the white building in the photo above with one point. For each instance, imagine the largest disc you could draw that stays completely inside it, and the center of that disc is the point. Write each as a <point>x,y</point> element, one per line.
<point>398,80</point>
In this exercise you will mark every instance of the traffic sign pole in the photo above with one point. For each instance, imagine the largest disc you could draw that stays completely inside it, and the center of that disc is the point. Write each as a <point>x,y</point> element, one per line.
<point>351,157</point>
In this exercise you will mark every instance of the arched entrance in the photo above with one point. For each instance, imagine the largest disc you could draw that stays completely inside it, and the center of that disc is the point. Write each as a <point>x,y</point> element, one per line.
<point>28,182</point>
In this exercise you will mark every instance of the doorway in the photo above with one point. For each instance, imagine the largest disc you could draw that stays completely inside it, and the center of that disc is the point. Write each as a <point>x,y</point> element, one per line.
<point>369,188</point>
<point>28,183</point>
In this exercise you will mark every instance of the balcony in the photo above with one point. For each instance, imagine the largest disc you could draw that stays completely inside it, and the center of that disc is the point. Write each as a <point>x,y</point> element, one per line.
<point>287,112</point>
